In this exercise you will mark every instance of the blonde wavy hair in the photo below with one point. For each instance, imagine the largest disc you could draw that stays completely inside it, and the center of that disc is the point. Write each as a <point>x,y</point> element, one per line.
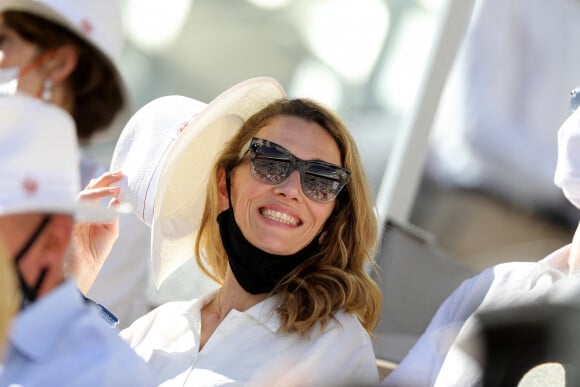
<point>335,278</point>
<point>8,296</point>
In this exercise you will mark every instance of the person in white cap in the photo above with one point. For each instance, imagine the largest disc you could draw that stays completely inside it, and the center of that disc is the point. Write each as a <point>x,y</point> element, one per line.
<point>58,338</point>
<point>269,195</point>
<point>449,352</point>
<point>67,53</point>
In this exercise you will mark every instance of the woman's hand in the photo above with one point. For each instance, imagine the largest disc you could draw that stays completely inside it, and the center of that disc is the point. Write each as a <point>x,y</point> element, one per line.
<point>93,241</point>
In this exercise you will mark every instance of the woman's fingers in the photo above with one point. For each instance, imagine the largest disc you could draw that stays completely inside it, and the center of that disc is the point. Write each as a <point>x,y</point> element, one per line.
<point>105,180</point>
<point>96,194</point>
<point>100,187</point>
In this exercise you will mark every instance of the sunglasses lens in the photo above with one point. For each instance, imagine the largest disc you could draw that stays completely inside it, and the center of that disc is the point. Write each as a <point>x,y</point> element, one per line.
<point>270,170</point>
<point>321,183</point>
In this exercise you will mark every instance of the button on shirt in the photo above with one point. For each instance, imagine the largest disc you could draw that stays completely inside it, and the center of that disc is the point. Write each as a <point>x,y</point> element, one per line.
<point>248,348</point>
<point>60,340</point>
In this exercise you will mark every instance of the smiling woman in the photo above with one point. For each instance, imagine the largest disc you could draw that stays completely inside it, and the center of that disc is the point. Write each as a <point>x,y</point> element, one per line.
<point>287,230</point>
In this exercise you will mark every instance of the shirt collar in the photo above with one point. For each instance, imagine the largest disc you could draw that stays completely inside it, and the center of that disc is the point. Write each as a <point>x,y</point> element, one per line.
<point>264,312</point>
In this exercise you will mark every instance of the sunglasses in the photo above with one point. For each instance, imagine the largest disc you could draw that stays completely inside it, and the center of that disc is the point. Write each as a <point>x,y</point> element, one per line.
<point>272,164</point>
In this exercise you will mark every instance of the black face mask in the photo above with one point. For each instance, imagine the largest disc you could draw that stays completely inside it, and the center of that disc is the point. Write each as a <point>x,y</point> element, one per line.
<point>256,270</point>
<point>29,294</point>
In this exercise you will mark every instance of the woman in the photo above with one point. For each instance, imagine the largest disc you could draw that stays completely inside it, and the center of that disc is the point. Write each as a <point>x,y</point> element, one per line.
<point>288,230</point>
<point>61,67</point>
<point>67,54</point>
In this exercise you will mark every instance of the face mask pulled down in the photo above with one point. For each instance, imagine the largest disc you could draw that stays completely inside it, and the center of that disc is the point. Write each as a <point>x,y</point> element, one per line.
<point>256,270</point>
<point>29,294</point>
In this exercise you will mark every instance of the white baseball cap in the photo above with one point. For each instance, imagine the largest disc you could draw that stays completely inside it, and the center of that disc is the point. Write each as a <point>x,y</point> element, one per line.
<point>166,151</point>
<point>39,162</point>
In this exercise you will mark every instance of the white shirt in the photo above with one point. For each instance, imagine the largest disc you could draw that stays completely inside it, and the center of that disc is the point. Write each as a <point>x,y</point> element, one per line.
<point>248,348</point>
<point>438,358</point>
<point>60,340</point>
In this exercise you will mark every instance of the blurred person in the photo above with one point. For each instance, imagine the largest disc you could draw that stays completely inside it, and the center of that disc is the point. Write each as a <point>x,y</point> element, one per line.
<point>494,129</point>
<point>285,226</point>
<point>8,298</point>
<point>449,352</point>
<point>67,53</point>
<point>58,338</point>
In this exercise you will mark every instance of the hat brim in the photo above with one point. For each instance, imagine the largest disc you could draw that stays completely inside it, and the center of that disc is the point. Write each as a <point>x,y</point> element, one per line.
<point>91,213</point>
<point>182,185</point>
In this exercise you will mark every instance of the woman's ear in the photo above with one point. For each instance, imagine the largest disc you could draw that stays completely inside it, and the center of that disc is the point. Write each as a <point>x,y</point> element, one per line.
<point>62,63</point>
<point>223,196</point>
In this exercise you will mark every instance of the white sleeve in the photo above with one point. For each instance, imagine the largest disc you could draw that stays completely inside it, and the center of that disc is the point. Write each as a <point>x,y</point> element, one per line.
<point>423,362</point>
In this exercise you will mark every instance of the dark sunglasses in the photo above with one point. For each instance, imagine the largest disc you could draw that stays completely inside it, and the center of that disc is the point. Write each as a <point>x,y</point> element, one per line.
<point>272,164</point>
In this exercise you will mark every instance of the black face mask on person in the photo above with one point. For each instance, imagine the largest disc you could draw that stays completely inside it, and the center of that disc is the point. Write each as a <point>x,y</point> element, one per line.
<point>256,270</point>
<point>29,294</point>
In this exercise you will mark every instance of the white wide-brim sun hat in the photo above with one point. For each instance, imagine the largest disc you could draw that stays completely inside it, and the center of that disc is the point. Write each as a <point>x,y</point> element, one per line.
<point>39,162</point>
<point>97,22</point>
<point>166,152</point>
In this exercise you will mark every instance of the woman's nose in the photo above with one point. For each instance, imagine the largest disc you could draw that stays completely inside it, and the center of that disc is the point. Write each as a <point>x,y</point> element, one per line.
<point>290,187</point>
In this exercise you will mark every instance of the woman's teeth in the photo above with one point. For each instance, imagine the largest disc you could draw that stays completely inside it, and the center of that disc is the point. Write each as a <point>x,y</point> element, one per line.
<point>280,217</point>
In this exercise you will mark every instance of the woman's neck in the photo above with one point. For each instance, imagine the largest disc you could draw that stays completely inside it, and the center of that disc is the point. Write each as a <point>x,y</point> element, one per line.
<point>233,296</point>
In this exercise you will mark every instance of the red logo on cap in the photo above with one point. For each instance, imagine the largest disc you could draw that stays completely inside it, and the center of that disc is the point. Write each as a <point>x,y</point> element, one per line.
<point>30,186</point>
<point>182,127</point>
<point>86,26</point>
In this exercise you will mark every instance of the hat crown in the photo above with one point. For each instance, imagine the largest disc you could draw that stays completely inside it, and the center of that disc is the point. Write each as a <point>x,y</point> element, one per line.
<point>38,155</point>
<point>143,146</point>
<point>37,136</point>
<point>39,162</point>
